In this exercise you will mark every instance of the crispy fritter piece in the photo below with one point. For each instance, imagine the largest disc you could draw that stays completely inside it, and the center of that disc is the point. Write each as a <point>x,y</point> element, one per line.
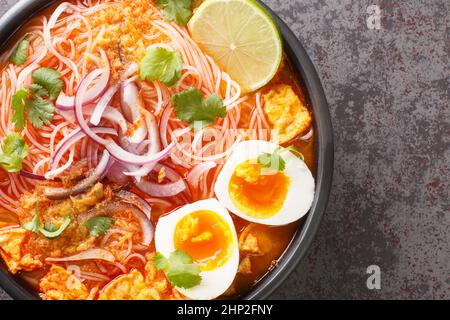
<point>287,114</point>
<point>245,266</point>
<point>59,284</point>
<point>11,242</point>
<point>130,286</point>
<point>248,244</point>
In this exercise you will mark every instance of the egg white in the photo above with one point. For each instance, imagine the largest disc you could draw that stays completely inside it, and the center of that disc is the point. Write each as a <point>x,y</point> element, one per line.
<point>299,197</point>
<point>214,282</point>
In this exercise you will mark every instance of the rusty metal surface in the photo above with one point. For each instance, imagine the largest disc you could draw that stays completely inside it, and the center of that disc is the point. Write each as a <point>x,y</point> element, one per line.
<point>388,91</point>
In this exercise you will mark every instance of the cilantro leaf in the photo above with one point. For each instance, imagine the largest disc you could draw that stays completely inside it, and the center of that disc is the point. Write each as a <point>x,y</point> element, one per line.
<point>98,226</point>
<point>35,224</point>
<point>190,107</point>
<point>14,150</point>
<point>274,161</point>
<point>161,64</point>
<point>179,11</point>
<point>50,231</point>
<point>20,54</point>
<point>18,105</point>
<point>180,269</point>
<point>160,261</point>
<point>50,80</point>
<point>296,151</point>
<point>38,90</point>
<point>40,111</point>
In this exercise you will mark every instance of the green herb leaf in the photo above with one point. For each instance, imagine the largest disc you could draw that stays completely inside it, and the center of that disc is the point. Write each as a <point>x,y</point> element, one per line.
<point>18,104</point>
<point>20,54</point>
<point>274,161</point>
<point>296,151</point>
<point>50,80</point>
<point>180,269</point>
<point>40,111</point>
<point>50,227</point>
<point>160,262</point>
<point>179,11</point>
<point>98,226</point>
<point>35,224</point>
<point>51,231</point>
<point>38,90</point>
<point>14,150</point>
<point>161,64</point>
<point>190,107</point>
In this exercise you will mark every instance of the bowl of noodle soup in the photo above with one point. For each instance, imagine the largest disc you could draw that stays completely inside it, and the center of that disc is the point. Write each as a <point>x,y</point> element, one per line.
<point>97,193</point>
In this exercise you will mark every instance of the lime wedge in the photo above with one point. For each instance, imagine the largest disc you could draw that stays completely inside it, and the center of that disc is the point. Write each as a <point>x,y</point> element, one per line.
<point>241,37</point>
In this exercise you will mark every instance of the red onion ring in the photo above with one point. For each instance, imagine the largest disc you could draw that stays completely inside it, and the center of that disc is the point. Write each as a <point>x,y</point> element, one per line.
<point>129,99</point>
<point>194,175</point>
<point>79,98</point>
<point>115,173</point>
<point>161,190</point>
<point>102,104</point>
<point>142,213</point>
<point>30,175</point>
<point>131,104</point>
<point>154,146</point>
<point>73,138</point>
<point>177,185</point>
<point>66,103</point>
<point>83,185</point>
<point>127,157</point>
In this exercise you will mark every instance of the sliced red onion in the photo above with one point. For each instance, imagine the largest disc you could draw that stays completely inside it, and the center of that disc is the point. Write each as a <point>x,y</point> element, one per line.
<point>131,70</point>
<point>194,175</point>
<point>147,227</point>
<point>129,100</point>
<point>173,188</point>
<point>137,201</point>
<point>30,175</point>
<point>127,157</point>
<point>115,173</point>
<point>91,95</point>
<point>102,104</point>
<point>79,98</point>
<point>73,138</point>
<point>113,115</point>
<point>161,190</point>
<point>308,136</point>
<point>83,185</point>
<point>142,213</point>
<point>132,104</point>
<point>91,254</point>
<point>153,148</point>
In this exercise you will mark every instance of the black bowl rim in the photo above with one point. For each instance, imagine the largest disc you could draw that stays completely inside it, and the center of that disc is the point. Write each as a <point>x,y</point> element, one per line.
<point>21,12</point>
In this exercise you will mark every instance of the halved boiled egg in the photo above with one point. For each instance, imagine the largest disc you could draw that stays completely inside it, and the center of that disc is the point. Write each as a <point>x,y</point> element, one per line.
<point>267,196</point>
<point>205,231</point>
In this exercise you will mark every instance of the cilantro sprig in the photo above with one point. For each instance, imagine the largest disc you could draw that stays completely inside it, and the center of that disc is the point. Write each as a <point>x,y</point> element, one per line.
<point>98,226</point>
<point>14,150</point>
<point>49,230</point>
<point>161,64</point>
<point>20,54</point>
<point>179,268</point>
<point>179,11</point>
<point>274,161</point>
<point>191,107</point>
<point>35,101</point>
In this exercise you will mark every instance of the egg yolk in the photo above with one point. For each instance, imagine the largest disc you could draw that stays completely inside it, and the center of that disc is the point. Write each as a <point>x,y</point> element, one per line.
<point>206,237</point>
<point>258,193</point>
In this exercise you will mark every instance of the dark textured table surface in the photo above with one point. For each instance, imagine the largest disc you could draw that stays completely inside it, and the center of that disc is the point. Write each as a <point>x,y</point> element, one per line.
<point>388,91</point>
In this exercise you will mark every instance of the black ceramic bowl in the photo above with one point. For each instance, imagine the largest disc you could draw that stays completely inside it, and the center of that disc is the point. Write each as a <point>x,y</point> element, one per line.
<point>25,9</point>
